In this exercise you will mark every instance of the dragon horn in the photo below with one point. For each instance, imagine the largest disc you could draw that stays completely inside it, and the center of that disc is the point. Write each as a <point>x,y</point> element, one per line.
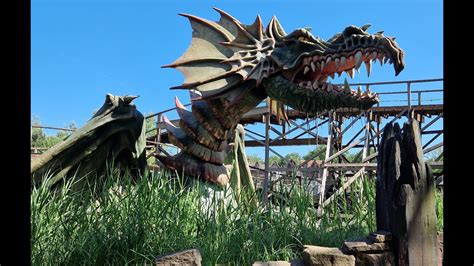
<point>365,27</point>
<point>274,30</point>
<point>129,98</point>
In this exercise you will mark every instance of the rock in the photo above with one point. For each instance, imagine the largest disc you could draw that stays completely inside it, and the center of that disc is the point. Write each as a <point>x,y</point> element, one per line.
<point>295,262</point>
<point>364,245</point>
<point>378,259</point>
<point>381,236</point>
<point>322,256</point>
<point>189,257</point>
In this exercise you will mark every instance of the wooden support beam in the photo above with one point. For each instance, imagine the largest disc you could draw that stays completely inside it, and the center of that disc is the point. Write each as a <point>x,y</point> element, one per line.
<point>291,130</point>
<point>432,139</point>
<point>344,187</point>
<point>324,173</point>
<point>267,160</point>
<point>312,128</point>
<point>287,142</point>
<point>431,122</point>
<point>426,150</point>
<point>352,123</point>
<point>304,129</point>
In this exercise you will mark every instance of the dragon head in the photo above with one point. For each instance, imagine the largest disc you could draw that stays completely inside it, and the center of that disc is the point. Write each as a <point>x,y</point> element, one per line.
<point>290,68</point>
<point>305,62</point>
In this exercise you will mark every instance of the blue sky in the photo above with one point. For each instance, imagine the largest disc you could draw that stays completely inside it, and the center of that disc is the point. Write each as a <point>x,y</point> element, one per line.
<point>81,50</point>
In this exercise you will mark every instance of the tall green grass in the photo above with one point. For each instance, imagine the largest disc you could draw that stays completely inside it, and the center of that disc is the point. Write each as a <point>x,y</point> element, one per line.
<point>131,223</point>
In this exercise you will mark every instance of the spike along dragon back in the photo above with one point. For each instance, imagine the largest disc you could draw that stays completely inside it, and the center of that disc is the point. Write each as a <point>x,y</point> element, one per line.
<point>231,67</point>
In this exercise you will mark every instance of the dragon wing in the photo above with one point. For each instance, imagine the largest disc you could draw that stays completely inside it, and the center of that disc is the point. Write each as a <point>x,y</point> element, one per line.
<point>223,54</point>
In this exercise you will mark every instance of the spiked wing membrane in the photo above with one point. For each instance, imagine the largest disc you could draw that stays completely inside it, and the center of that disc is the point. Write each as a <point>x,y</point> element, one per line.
<point>223,54</point>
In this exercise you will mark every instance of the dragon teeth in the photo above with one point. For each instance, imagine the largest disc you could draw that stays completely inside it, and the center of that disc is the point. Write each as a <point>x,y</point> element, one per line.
<point>368,66</point>
<point>322,66</point>
<point>347,89</point>
<point>329,87</point>
<point>358,59</point>
<point>306,70</point>
<point>301,84</point>
<point>328,60</point>
<point>313,66</point>
<point>350,72</point>
<point>336,62</point>
<point>308,83</point>
<point>343,61</point>
<point>374,56</point>
<point>315,84</point>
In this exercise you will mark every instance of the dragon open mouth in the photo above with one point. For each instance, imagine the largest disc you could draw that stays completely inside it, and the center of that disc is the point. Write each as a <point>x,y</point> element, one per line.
<point>313,71</point>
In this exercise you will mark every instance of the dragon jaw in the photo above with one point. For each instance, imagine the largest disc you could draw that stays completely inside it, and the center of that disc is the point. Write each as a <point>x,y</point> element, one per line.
<point>305,75</point>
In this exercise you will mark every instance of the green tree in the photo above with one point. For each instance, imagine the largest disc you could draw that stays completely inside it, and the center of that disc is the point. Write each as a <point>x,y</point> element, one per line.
<point>274,158</point>
<point>319,149</point>
<point>39,139</point>
<point>253,158</point>
<point>294,156</point>
<point>150,125</point>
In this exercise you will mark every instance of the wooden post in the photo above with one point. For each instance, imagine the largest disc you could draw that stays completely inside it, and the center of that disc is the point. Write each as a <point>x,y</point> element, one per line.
<point>405,196</point>
<point>365,150</point>
<point>324,174</point>
<point>409,99</point>
<point>267,159</point>
<point>158,136</point>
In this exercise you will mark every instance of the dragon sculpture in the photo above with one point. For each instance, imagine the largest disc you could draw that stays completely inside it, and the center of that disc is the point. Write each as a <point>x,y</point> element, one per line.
<point>231,67</point>
<point>115,135</point>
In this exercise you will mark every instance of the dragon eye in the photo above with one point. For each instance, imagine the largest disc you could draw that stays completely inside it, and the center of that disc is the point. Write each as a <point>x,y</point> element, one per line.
<point>303,38</point>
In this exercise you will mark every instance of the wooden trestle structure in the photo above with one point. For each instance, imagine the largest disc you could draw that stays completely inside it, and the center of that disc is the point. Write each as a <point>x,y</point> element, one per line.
<point>340,125</point>
<point>344,130</point>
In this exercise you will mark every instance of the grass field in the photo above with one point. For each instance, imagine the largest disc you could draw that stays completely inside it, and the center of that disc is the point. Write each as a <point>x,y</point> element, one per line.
<point>132,223</point>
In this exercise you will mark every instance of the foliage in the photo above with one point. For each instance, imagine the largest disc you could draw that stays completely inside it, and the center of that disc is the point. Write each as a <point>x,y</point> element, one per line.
<point>131,223</point>
<point>253,158</point>
<point>293,156</point>
<point>150,125</point>
<point>39,139</point>
<point>311,154</point>
<point>274,159</point>
<point>320,151</point>
<point>439,209</point>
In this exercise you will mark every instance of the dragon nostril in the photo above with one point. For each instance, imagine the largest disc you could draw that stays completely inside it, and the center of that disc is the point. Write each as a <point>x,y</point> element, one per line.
<point>355,39</point>
<point>349,43</point>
